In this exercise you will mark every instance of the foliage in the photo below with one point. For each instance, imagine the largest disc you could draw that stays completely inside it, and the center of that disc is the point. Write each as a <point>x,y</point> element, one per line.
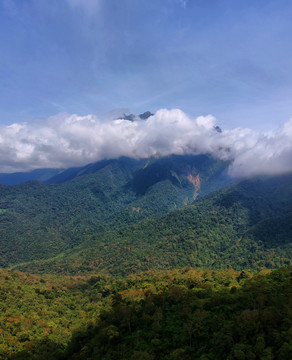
<point>179,314</point>
<point>42,220</point>
<point>42,310</point>
<point>107,225</point>
<point>247,225</point>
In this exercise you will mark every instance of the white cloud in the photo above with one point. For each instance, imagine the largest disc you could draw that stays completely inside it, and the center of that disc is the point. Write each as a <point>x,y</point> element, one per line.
<point>270,154</point>
<point>71,140</point>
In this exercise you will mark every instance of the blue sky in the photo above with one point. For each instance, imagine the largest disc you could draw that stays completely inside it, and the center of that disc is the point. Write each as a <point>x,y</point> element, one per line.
<point>228,58</point>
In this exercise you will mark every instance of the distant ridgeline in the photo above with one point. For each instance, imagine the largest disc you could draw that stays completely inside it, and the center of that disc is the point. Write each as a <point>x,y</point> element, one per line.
<point>124,216</point>
<point>19,177</point>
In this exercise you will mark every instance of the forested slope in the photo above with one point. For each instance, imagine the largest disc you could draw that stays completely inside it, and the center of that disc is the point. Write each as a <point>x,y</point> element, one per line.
<point>179,314</point>
<point>38,221</point>
<point>247,225</point>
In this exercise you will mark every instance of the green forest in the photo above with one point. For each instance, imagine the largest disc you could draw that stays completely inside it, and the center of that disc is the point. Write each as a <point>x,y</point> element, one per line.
<point>39,221</point>
<point>244,226</point>
<point>159,259</point>
<point>178,314</point>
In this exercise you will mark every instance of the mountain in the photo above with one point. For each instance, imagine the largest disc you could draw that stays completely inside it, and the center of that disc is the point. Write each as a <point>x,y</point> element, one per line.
<point>133,117</point>
<point>19,177</point>
<point>128,253</point>
<point>244,226</point>
<point>39,221</point>
<point>48,175</point>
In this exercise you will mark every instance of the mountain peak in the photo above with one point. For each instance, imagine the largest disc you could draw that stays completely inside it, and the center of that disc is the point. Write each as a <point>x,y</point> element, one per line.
<point>133,117</point>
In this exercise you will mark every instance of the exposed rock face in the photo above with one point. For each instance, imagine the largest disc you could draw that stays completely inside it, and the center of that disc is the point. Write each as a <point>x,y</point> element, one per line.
<point>133,117</point>
<point>196,181</point>
<point>145,115</point>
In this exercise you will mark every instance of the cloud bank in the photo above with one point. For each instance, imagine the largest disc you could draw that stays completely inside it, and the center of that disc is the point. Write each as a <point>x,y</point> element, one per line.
<point>70,140</point>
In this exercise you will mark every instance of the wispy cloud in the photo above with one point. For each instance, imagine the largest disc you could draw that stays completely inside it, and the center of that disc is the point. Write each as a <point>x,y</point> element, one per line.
<point>69,140</point>
<point>89,6</point>
<point>183,3</point>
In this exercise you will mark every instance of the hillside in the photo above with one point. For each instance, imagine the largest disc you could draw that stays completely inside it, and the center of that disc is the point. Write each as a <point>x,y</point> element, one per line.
<point>179,314</point>
<point>244,226</point>
<point>141,260</point>
<point>38,221</point>
<point>195,317</point>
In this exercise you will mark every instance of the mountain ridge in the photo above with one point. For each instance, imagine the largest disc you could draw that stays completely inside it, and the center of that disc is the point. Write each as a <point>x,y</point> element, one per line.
<point>41,220</point>
<point>222,229</point>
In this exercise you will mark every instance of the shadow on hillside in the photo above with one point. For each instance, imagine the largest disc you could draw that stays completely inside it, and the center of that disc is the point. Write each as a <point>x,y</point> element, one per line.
<point>39,350</point>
